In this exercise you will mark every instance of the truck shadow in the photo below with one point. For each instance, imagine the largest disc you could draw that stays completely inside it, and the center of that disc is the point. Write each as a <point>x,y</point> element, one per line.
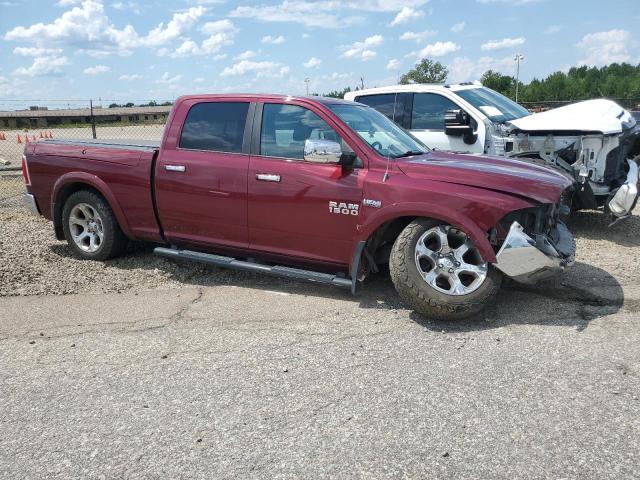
<point>594,225</point>
<point>583,293</point>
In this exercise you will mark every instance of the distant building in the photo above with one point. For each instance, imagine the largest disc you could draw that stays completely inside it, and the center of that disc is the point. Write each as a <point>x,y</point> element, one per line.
<point>40,117</point>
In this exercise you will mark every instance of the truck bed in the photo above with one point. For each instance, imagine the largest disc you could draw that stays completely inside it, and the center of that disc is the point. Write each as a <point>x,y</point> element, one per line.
<point>120,169</point>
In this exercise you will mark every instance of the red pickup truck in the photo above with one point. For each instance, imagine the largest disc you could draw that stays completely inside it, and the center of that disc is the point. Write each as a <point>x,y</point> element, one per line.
<point>311,188</point>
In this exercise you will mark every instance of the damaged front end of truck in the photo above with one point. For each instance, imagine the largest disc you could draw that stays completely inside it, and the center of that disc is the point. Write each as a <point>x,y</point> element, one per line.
<point>596,143</point>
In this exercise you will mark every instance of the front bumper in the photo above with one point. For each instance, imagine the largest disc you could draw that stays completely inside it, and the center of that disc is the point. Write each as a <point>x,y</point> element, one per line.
<point>29,201</point>
<point>529,261</point>
<point>625,197</point>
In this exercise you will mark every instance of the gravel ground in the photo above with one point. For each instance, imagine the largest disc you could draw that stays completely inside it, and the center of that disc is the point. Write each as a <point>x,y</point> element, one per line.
<point>33,262</point>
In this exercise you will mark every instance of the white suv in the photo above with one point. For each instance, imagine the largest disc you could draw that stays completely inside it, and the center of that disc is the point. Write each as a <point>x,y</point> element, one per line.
<point>596,142</point>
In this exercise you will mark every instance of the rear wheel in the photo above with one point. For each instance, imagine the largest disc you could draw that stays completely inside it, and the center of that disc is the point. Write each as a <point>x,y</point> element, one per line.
<point>437,269</point>
<point>91,228</point>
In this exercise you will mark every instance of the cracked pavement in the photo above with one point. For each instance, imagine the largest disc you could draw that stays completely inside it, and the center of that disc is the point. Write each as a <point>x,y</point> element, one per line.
<point>306,382</point>
<point>145,368</point>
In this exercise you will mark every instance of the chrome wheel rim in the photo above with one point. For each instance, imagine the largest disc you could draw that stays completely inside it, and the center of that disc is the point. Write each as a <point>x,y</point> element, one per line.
<point>85,225</point>
<point>449,261</point>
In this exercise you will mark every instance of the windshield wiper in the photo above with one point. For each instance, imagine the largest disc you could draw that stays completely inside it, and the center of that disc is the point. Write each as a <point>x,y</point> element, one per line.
<point>409,153</point>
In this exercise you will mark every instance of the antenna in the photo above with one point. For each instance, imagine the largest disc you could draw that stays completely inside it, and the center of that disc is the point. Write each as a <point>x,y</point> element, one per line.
<point>385,177</point>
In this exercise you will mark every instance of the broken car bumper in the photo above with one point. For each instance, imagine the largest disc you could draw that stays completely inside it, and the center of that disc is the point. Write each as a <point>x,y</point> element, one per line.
<point>526,260</point>
<point>625,198</point>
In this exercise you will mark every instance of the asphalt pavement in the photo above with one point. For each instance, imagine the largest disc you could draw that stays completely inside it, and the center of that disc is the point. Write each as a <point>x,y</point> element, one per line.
<point>300,381</point>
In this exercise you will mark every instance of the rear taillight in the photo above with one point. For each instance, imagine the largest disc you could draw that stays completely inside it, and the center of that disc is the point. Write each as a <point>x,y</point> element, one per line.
<point>25,171</point>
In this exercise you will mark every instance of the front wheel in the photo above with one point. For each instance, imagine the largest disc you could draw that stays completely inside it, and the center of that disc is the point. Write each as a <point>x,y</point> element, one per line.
<point>91,228</point>
<point>437,269</point>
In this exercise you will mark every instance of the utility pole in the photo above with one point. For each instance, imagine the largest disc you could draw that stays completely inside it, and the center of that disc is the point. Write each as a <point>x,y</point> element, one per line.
<point>93,120</point>
<point>518,58</point>
<point>361,83</point>
<point>307,80</point>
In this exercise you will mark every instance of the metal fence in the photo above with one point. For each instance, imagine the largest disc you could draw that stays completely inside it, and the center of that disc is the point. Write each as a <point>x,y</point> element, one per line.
<point>57,120</point>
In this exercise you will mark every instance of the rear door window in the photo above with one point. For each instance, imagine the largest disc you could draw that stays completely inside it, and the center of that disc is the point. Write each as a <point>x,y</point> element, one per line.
<point>429,110</point>
<point>216,126</point>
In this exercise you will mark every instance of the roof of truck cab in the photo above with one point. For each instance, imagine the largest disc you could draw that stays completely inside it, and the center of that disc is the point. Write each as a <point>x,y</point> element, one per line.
<point>266,96</point>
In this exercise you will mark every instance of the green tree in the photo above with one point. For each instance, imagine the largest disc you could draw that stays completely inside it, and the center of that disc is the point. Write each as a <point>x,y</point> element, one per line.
<point>425,71</point>
<point>338,93</point>
<point>498,82</point>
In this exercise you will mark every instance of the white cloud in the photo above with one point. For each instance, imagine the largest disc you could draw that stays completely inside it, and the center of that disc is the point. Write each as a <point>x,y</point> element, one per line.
<point>463,69</point>
<point>67,3</point>
<point>514,3</point>
<point>393,64</point>
<point>219,26</point>
<point>177,26</point>
<point>551,29</point>
<point>132,7</point>
<point>336,76</point>
<point>130,77</point>
<point>602,48</point>
<point>418,36</point>
<point>88,26</point>
<point>167,79</point>
<point>221,33</point>
<point>313,62</point>
<point>406,15</point>
<point>96,70</point>
<point>246,55</point>
<point>438,49</point>
<point>458,27</point>
<point>362,50</point>
<point>274,40</point>
<point>258,69</point>
<point>36,51</point>
<point>198,80</point>
<point>321,13</point>
<point>504,43</point>
<point>43,66</point>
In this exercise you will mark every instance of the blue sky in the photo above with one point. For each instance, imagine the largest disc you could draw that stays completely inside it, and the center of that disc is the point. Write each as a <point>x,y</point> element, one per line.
<point>139,50</point>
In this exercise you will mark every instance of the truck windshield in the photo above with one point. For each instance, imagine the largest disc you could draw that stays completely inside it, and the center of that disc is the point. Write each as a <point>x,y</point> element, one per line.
<point>380,133</point>
<point>495,106</point>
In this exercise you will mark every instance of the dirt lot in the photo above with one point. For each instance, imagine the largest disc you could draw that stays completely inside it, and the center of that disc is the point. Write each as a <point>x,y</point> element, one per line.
<point>145,368</point>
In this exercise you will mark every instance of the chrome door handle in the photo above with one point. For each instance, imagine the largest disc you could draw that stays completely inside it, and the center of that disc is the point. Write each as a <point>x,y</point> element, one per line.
<point>267,177</point>
<point>175,168</point>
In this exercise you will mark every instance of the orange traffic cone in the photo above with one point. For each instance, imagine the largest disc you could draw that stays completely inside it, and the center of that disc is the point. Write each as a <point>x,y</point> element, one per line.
<point>33,138</point>
<point>2,137</point>
<point>26,138</point>
<point>41,135</point>
<point>50,134</point>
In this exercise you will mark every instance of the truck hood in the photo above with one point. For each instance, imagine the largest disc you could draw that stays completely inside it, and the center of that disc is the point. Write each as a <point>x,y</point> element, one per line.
<point>599,115</point>
<point>517,177</point>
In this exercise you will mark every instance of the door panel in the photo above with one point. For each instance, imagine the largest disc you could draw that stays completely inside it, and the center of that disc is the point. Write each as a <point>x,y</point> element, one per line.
<point>201,185</point>
<point>290,210</point>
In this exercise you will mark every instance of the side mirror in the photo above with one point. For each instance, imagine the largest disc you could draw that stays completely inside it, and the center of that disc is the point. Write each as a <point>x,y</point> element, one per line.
<point>326,151</point>
<point>457,123</point>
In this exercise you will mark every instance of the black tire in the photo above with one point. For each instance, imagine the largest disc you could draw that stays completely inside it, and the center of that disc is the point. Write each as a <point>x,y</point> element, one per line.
<point>421,296</point>
<point>114,241</point>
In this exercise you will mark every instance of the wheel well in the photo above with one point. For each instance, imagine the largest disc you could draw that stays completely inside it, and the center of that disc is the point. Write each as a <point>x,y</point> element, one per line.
<point>381,240</point>
<point>62,197</point>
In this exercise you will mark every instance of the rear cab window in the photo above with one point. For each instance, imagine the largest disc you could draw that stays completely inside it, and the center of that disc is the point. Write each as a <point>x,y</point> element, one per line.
<point>215,126</point>
<point>394,106</point>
